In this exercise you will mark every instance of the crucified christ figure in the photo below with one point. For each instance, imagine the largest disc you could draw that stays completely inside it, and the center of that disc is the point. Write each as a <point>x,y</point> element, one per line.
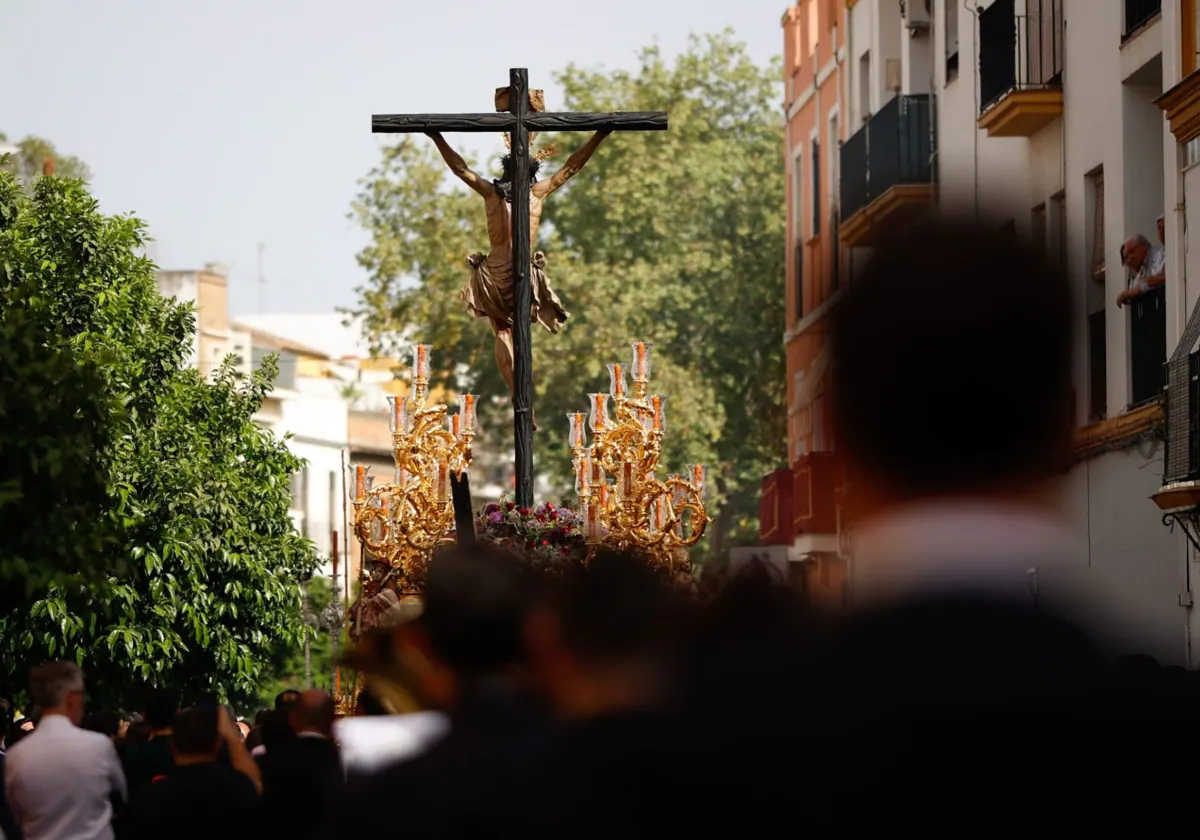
<point>489,291</point>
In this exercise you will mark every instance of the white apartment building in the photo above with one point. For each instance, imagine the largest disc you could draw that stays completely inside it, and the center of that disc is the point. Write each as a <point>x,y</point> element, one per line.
<point>1073,119</point>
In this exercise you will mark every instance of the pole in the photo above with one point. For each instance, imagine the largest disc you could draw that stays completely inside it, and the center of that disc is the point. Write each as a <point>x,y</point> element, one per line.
<point>262,283</point>
<point>518,105</point>
<point>309,624</point>
<point>335,628</point>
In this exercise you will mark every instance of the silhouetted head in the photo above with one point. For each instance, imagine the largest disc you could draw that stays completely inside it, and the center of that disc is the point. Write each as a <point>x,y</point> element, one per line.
<point>313,712</point>
<point>161,707</point>
<point>196,734</point>
<point>475,608</point>
<point>104,721</point>
<point>952,366</point>
<point>504,185</point>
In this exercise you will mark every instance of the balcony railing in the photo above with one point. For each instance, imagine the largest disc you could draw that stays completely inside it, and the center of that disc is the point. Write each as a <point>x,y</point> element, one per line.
<point>854,193</point>
<point>1019,52</point>
<point>1140,12</point>
<point>894,148</point>
<point>1148,345</point>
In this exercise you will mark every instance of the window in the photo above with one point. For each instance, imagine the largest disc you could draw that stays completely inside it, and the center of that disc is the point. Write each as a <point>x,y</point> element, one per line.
<point>951,34</point>
<point>814,28</point>
<point>797,195</point>
<point>818,421</point>
<point>834,247</point>
<point>797,45</point>
<point>1096,184</point>
<point>1058,230</point>
<point>1192,152</point>
<point>798,256</point>
<point>1037,221</point>
<point>1097,349</point>
<point>864,87</point>
<point>798,231</point>
<point>816,187</point>
<point>1097,366</point>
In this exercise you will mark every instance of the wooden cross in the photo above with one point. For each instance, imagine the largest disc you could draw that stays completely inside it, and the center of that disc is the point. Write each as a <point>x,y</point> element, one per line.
<point>519,121</point>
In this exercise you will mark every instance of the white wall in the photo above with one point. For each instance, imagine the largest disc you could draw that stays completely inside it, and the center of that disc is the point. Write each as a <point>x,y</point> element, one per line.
<point>184,286</point>
<point>858,41</point>
<point>1134,576</point>
<point>1002,165</point>
<point>1136,568</point>
<point>318,425</point>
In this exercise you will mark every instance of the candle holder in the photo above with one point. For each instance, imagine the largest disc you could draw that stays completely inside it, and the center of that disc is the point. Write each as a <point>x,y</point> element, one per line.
<point>636,510</point>
<point>401,523</point>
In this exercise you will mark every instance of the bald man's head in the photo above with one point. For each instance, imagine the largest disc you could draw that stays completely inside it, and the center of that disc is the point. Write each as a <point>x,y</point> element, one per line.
<point>313,712</point>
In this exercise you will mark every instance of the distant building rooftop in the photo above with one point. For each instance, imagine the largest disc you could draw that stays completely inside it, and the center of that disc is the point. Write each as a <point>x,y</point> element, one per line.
<point>323,332</point>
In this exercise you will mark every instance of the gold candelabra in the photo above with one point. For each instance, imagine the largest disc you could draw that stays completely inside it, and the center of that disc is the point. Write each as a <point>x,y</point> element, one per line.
<point>660,518</point>
<point>401,523</point>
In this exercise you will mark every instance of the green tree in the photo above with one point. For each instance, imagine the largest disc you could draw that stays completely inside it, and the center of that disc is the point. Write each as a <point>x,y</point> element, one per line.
<point>31,156</point>
<point>676,238</point>
<point>175,561</point>
<point>287,666</point>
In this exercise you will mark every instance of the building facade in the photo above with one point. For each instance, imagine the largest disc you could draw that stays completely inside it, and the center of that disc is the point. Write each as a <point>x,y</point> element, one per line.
<point>1077,122</point>
<point>207,289</point>
<point>798,504</point>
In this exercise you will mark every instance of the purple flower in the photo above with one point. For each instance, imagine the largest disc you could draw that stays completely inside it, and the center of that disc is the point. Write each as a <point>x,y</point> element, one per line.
<point>495,517</point>
<point>491,508</point>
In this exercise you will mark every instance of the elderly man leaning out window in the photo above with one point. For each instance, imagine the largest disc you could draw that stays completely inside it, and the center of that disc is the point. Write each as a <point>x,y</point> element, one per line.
<point>1146,265</point>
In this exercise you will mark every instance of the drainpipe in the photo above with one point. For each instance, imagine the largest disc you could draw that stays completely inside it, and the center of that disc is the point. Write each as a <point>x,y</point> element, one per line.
<point>835,196</point>
<point>971,7</point>
<point>934,180</point>
<point>844,129</point>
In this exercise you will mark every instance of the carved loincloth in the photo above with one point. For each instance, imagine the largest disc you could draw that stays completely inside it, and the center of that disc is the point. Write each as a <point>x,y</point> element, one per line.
<point>489,293</point>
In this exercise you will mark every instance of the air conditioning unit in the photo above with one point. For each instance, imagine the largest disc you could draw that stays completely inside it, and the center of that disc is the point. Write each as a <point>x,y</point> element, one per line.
<point>915,15</point>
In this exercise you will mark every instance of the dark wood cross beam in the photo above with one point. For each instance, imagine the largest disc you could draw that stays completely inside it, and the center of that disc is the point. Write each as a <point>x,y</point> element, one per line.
<point>518,122</point>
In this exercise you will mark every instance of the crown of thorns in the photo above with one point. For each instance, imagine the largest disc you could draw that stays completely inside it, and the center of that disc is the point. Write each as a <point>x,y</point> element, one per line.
<point>542,154</point>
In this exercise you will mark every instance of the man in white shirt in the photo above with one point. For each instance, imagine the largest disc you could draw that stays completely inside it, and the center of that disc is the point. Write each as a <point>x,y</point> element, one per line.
<point>1147,266</point>
<point>61,780</point>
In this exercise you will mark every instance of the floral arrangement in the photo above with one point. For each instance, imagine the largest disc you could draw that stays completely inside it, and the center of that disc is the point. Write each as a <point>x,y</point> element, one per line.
<point>549,536</point>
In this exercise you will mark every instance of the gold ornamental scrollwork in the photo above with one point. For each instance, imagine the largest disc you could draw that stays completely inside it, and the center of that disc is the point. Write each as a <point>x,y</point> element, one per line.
<point>637,510</point>
<point>402,522</point>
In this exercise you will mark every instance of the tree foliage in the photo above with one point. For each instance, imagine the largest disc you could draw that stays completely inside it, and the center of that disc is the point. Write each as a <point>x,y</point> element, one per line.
<point>147,532</point>
<point>31,156</point>
<point>676,238</point>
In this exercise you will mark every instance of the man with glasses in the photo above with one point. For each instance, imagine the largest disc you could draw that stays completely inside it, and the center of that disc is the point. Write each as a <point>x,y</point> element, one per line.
<point>61,781</point>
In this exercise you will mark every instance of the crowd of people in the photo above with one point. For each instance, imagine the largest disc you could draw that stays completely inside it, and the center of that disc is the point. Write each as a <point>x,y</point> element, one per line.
<point>601,701</point>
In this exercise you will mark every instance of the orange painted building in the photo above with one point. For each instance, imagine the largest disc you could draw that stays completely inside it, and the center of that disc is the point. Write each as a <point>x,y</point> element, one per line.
<point>799,508</point>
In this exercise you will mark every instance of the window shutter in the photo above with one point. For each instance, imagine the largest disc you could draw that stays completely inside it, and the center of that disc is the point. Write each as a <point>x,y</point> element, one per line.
<point>816,187</point>
<point>1098,230</point>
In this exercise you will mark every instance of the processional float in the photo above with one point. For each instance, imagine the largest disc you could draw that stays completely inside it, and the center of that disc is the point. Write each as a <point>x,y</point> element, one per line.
<point>400,524</point>
<point>660,518</point>
<point>623,502</point>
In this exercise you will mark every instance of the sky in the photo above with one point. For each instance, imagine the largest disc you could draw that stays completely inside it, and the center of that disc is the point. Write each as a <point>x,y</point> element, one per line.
<point>229,123</point>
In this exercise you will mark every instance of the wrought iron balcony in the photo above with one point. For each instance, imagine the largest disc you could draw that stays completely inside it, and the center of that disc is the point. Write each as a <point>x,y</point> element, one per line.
<point>1140,12</point>
<point>1020,67</point>
<point>1148,345</point>
<point>886,169</point>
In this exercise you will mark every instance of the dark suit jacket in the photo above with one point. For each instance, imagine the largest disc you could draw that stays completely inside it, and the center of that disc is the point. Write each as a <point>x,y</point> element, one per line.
<point>468,784</point>
<point>302,780</point>
<point>959,714</point>
<point>8,823</point>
